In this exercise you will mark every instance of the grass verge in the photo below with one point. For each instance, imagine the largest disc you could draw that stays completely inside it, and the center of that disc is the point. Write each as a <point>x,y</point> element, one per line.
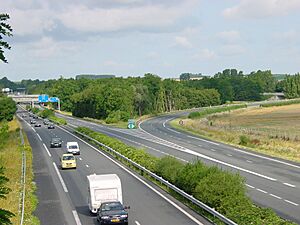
<point>272,131</point>
<point>11,159</point>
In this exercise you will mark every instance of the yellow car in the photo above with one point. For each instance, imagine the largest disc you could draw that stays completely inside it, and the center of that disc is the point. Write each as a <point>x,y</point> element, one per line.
<point>68,161</point>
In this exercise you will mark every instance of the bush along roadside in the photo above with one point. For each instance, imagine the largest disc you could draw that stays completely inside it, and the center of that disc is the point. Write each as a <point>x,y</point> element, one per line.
<point>281,103</point>
<point>221,190</point>
<point>208,111</point>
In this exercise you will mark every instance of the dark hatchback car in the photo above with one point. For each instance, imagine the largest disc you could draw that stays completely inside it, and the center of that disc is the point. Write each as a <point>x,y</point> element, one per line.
<point>112,213</point>
<point>37,125</point>
<point>51,126</point>
<point>55,143</point>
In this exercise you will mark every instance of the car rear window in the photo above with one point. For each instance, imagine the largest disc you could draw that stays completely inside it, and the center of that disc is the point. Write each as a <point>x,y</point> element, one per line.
<point>73,147</point>
<point>68,157</point>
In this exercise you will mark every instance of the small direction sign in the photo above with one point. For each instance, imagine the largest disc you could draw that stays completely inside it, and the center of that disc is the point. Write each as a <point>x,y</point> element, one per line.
<point>131,124</point>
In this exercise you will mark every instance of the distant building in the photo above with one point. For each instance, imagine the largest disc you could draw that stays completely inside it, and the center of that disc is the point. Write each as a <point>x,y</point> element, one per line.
<point>191,76</point>
<point>94,77</point>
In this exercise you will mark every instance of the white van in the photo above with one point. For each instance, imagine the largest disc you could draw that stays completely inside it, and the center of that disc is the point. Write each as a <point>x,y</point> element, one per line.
<point>73,147</point>
<point>103,188</point>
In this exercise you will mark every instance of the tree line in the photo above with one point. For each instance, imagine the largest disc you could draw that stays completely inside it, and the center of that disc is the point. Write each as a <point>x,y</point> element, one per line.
<point>115,99</point>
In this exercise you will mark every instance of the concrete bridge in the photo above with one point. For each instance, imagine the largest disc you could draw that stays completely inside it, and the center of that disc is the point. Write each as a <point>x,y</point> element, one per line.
<point>26,99</point>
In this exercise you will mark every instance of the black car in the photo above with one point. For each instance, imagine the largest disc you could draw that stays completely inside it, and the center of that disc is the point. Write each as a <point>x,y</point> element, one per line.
<point>112,213</point>
<point>55,143</point>
<point>51,126</point>
<point>37,125</point>
<point>34,116</point>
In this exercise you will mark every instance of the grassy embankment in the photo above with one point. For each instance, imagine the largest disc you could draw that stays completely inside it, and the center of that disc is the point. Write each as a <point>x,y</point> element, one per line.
<point>273,130</point>
<point>11,159</point>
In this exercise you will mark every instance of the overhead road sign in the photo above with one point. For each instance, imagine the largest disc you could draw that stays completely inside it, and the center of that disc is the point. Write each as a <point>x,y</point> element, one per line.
<point>43,98</point>
<point>54,99</point>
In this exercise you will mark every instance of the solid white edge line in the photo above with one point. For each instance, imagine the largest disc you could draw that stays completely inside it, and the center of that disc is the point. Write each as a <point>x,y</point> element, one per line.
<point>137,223</point>
<point>76,217</point>
<point>39,137</point>
<point>239,150</point>
<point>47,150</point>
<point>293,203</point>
<point>290,185</point>
<point>275,196</point>
<point>188,151</point>
<point>267,158</point>
<point>139,179</point>
<point>60,178</point>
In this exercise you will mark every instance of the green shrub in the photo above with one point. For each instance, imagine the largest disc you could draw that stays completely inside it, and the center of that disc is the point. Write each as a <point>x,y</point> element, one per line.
<point>168,167</point>
<point>7,108</point>
<point>46,113</point>
<point>35,110</point>
<point>191,174</point>
<point>244,140</point>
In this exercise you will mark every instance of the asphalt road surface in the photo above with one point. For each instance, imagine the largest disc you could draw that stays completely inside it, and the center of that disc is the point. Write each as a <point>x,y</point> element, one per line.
<point>271,182</point>
<point>62,194</point>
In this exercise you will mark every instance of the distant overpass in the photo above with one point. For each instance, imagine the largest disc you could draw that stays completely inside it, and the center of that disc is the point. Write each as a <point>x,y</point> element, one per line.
<point>275,95</point>
<point>29,99</point>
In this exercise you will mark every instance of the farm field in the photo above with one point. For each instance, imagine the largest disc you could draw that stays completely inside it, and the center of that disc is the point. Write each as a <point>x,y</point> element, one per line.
<point>274,131</point>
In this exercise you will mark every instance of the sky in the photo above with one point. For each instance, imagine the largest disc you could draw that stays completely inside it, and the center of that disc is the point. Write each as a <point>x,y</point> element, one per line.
<point>163,37</point>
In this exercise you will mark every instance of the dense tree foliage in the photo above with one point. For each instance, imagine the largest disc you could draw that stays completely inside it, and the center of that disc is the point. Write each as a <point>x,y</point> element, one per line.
<point>291,86</point>
<point>5,30</point>
<point>233,85</point>
<point>7,108</point>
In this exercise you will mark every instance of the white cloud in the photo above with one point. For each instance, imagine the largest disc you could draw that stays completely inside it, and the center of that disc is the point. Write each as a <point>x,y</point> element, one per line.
<point>182,41</point>
<point>46,47</point>
<point>205,54</point>
<point>83,18</point>
<point>112,63</point>
<point>232,50</point>
<point>152,55</point>
<point>230,36</point>
<point>262,8</point>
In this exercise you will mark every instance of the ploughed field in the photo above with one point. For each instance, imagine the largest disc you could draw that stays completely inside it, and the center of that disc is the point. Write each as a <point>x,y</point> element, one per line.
<point>274,130</point>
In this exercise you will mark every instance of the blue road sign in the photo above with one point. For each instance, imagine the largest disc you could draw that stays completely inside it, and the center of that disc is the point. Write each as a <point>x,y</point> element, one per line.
<point>43,98</point>
<point>53,99</point>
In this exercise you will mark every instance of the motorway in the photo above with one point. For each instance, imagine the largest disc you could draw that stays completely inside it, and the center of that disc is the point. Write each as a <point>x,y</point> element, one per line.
<point>62,194</point>
<point>271,182</point>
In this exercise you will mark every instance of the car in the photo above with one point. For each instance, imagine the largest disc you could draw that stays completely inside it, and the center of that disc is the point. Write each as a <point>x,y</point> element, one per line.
<point>68,161</point>
<point>32,122</point>
<point>35,117</point>
<point>37,125</point>
<point>30,115</point>
<point>23,116</point>
<point>46,122</point>
<point>73,147</point>
<point>55,142</point>
<point>51,126</point>
<point>112,213</point>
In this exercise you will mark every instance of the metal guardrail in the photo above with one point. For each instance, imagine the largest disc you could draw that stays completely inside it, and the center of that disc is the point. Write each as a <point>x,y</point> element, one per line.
<point>163,181</point>
<point>23,178</point>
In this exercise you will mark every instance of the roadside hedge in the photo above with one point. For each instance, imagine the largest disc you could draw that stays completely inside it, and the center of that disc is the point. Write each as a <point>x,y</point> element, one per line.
<point>281,103</point>
<point>205,112</point>
<point>57,120</point>
<point>222,190</point>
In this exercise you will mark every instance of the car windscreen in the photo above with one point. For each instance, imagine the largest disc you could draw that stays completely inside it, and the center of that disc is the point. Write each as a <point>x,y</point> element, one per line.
<point>68,157</point>
<point>112,206</point>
